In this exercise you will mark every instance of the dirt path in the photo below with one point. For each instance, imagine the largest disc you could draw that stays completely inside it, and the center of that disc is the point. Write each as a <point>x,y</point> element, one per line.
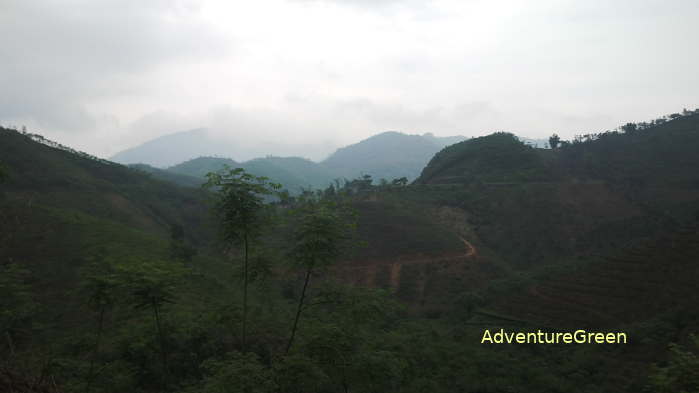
<point>471,250</point>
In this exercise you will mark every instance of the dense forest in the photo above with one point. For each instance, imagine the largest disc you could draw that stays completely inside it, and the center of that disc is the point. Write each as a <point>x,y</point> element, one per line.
<point>120,279</point>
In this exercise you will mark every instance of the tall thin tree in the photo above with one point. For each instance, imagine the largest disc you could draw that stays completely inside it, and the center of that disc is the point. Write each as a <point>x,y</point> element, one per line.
<point>242,214</point>
<point>320,231</point>
<point>152,283</point>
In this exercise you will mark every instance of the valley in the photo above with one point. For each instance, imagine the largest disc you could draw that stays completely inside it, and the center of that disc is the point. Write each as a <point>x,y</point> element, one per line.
<point>600,233</point>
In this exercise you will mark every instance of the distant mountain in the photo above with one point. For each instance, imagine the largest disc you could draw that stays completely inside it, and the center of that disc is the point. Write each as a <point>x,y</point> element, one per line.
<point>200,166</point>
<point>162,174</point>
<point>387,155</point>
<point>174,148</point>
<point>294,173</point>
<point>443,141</point>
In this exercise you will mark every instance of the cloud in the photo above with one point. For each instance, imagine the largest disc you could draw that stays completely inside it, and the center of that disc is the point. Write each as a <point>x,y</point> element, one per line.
<point>106,75</point>
<point>59,57</point>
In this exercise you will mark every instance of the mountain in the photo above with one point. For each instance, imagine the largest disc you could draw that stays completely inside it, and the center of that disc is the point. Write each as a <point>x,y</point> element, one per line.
<point>497,157</point>
<point>162,174</point>
<point>174,148</point>
<point>387,155</point>
<point>98,188</point>
<point>294,173</point>
<point>199,167</point>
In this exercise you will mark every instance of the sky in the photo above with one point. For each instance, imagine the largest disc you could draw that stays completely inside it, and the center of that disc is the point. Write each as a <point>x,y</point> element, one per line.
<point>304,77</point>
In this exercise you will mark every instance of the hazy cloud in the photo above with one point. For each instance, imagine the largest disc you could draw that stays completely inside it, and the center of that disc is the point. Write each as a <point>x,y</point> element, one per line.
<point>281,76</point>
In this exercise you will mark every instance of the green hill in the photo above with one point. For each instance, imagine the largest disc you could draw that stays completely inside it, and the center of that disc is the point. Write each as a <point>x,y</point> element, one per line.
<point>497,157</point>
<point>42,175</point>
<point>294,173</point>
<point>388,155</point>
<point>182,180</point>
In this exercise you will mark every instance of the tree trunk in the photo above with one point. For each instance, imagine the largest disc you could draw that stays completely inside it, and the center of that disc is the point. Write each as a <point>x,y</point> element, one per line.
<point>90,374</point>
<point>163,354</point>
<point>245,292</point>
<point>298,310</point>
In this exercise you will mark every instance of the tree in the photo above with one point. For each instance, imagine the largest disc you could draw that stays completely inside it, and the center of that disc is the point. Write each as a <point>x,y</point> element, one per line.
<point>242,214</point>
<point>681,373</point>
<point>237,372</point>
<point>151,284</point>
<point>554,140</point>
<point>99,286</point>
<point>179,249</point>
<point>400,182</point>
<point>629,128</point>
<point>321,229</point>
<point>3,173</point>
<point>17,305</point>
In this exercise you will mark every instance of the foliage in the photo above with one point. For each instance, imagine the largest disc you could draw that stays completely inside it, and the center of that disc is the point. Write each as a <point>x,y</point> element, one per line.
<point>320,230</point>
<point>681,374</point>
<point>235,372</point>
<point>242,215</point>
<point>17,303</point>
<point>554,140</point>
<point>240,203</point>
<point>499,157</point>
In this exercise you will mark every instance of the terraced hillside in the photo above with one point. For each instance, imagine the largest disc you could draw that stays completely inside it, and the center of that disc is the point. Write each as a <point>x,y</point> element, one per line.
<point>634,284</point>
<point>603,230</point>
<point>424,254</point>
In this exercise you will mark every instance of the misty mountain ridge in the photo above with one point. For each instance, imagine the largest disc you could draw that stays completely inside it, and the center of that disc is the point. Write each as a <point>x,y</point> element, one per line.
<point>194,153</point>
<point>175,148</point>
<point>387,155</point>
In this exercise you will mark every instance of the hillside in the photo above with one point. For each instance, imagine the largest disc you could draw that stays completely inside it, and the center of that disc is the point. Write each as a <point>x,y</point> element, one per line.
<point>169,176</point>
<point>388,155</point>
<point>581,215</point>
<point>199,167</point>
<point>497,157</point>
<point>294,173</point>
<point>96,187</point>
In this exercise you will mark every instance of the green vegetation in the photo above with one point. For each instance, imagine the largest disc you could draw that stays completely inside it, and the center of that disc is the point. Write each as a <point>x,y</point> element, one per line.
<point>499,157</point>
<point>242,215</point>
<point>318,233</point>
<point>114,280</point>
<point>295,173</point>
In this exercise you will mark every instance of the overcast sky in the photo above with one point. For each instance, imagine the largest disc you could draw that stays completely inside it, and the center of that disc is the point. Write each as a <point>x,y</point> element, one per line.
<point>107,75</point>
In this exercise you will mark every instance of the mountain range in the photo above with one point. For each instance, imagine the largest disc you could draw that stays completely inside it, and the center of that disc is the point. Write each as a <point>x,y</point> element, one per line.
<point>388,155</point>
<point>190,155</point>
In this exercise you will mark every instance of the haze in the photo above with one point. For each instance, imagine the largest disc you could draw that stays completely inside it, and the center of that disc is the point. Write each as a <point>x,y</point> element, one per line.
<point>305,77</point>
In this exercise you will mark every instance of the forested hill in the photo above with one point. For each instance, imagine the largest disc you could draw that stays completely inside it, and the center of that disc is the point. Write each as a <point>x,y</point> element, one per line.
<point>387,155</point>
<point>657,152</point>
<point>43,175</point>
<point>295,173</point>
